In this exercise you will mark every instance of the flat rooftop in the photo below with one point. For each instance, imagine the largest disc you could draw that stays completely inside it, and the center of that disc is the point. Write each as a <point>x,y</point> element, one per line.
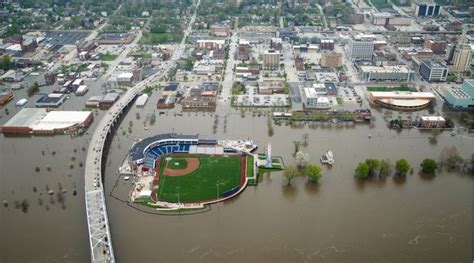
<point>26,117</point>
<point>61,119</point>
<point>385,69</point>
<point>402,95</point>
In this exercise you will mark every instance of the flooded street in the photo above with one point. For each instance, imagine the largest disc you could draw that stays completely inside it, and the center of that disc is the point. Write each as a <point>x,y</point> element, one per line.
<point>341,219</point>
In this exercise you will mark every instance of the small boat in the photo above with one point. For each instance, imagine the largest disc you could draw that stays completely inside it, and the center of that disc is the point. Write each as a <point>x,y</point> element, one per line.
<point>327,158</point>
<point>126,178</point>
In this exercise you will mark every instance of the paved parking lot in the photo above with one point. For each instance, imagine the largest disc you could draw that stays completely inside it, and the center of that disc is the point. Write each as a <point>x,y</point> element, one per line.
<point>348,94</point>
<point>59,37</point>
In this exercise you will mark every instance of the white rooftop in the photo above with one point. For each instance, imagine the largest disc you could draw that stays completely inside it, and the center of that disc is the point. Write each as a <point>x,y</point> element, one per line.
<point>61,119</point>
<point>432,118</point>
<point>310,93</point>
<point>386,69</point>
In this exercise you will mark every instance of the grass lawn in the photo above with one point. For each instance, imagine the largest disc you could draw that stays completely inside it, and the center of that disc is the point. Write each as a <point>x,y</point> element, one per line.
<point>398,88</point>
<point>108,57</point>
<point>339,100</point>
<point>250,165</point>
<point>178,164</point>
<point>201,184</point>
<point>149,38</point>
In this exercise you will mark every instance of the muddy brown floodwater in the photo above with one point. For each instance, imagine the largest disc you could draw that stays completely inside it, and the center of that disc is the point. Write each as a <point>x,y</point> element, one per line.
<point>416,219</point>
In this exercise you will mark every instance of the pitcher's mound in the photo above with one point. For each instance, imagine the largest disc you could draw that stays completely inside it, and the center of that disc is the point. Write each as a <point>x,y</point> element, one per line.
<point>175,166</point>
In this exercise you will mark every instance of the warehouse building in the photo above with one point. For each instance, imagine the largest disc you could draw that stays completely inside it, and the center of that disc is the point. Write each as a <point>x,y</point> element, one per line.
<point>40,121</point>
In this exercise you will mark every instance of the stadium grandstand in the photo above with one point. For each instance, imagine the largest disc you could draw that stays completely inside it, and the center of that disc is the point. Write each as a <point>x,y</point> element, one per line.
<point>146,151</point>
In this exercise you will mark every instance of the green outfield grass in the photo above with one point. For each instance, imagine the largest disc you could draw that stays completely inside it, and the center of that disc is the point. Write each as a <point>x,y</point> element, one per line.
<point>201,184</point>
<point>177,164</point>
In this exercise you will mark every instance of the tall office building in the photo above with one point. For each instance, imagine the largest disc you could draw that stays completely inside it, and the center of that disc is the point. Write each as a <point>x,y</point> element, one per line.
<point>361,47</point>
<point>433,71</point>
<point>462,58</point>
<point>271,59</point>
<point>427,9</point>
<point>331,59</point>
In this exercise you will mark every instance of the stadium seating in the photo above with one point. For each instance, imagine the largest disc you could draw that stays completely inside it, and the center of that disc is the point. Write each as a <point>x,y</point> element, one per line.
<point>157,151</point>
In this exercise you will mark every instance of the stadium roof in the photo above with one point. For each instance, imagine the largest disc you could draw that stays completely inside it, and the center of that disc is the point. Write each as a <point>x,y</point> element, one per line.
<point>403,95</point>
<point>413,103</point>
<point>136,152</point>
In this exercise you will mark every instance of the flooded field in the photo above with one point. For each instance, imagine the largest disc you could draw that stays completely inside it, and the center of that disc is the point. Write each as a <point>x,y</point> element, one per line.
<point>341,219</point>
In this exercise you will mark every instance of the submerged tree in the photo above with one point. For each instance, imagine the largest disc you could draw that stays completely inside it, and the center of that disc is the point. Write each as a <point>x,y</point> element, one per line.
<point>373,165</point>
<point>301,159</point>
<point>429,166</point>
<point>313,172</point>
<point>290,172</point>
<point>385,168</point>
<point>402,167</point>
<point>362,170</point>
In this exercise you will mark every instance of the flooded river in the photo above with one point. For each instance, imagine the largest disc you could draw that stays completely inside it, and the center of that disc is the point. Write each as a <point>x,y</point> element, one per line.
<point>341,219</point>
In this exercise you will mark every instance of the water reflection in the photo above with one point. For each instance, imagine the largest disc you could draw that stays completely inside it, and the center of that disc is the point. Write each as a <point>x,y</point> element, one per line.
<point>312,188</point>
<point>399,180</point>
<point>289,191</point>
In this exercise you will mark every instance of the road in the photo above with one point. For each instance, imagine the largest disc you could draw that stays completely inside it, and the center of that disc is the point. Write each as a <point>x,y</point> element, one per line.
<point>226,91</point>
<point>324,17</point>
<point>97,220</point>
<point>289,62</point>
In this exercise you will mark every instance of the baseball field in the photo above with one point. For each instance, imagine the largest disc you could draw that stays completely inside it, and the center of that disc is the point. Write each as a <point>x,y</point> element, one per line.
<point>197,178</point>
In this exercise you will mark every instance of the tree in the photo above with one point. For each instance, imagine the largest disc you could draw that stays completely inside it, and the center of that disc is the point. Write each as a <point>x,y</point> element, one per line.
<point>362,170</point>
<point>401,167</point>
<point>385,168</point>
<point>301,159</point>
<point>313,172</point>
<point>429,166</point>
<point>297,145</point>
<point>450,157</point>
<point>305,140</point>
<point>290,172</point>
<point>373,165</point>
<point>33,89</point>
<point>5,63</point>
<point>435,132</point>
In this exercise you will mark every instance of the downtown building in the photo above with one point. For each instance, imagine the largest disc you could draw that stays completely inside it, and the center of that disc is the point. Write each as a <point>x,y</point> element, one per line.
<point>427,9</point>
<point>271,59</point>
<point>387,73</point>
<point>361,47</point>
<point>461,58</point>
<point>433,71</point>
<point>331,59</point>
<point>461,97</point>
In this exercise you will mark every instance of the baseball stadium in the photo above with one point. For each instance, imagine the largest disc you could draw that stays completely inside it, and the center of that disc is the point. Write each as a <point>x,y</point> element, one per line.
<point>175,171</point>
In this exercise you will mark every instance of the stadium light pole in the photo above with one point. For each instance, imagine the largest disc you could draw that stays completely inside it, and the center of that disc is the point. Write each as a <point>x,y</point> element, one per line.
<point>177,189</point>
<point>179,205</point>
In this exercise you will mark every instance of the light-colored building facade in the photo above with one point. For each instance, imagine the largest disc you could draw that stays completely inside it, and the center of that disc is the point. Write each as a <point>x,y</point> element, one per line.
<point>461,97</point>
<point>315,99</point>
<point>210,44</point>
<point>431,122</point>
<point>271,59</point>
<point>361,47</point>
<point>331,59</point>
<point>384,73</point>
<point>462,58</point>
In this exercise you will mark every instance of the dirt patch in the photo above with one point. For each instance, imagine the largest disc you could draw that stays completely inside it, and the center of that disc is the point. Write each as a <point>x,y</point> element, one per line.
<point>193,164</point>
